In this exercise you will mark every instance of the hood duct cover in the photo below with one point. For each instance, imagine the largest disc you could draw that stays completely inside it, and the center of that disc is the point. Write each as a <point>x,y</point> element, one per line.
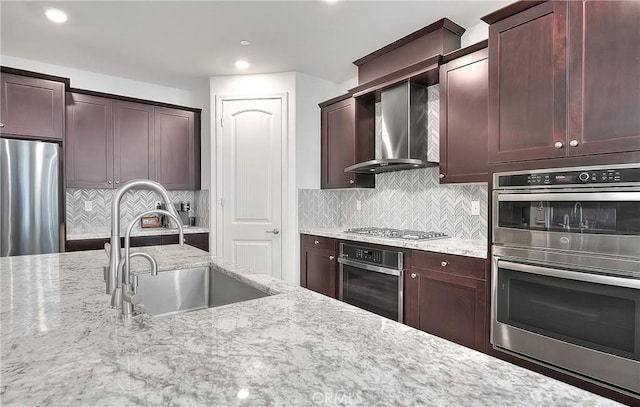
<point>402,139</point>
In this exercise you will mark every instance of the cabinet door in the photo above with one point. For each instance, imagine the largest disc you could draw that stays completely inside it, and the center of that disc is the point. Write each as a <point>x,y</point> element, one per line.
<point>32,107</point>
<point>133,142</point>
<point>175,148</point>
<point>338,134</point>
<point>464,84</point>
<point>89,142</point>
<point>447,305</point>
<point>527,84</point>
<point>319,271</point>
<point>604,77</point>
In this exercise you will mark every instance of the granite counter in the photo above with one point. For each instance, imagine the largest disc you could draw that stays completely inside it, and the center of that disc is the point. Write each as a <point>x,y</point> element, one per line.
<point>62,345</point>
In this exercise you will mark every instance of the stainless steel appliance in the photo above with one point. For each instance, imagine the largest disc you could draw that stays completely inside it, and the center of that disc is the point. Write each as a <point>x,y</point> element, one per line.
<point>372,279</point>
<point>403,142</point>
<point>403,234</point>
<point>566,271</point>
<point>29,197</point>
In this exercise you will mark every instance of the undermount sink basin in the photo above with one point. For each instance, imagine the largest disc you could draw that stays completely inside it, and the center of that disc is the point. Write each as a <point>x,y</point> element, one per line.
<point>184,290</point>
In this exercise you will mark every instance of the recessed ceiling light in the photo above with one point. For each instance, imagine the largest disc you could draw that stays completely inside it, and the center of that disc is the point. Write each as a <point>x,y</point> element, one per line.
<point>55,15</point>
<point>242,64</point>
<point>245,42</point>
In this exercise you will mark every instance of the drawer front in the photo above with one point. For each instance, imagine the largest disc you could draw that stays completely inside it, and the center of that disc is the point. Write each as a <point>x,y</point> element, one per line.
<point>318,242</point>
<point>449,263</point>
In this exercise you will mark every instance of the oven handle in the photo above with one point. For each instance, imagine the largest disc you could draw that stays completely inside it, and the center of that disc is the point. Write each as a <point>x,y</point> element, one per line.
<point>576,196</point>
<point>370,267</point>
<point>572,275</point>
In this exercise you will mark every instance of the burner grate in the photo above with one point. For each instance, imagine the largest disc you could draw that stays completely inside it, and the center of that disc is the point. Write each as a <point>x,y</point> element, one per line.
<point>403,234</point>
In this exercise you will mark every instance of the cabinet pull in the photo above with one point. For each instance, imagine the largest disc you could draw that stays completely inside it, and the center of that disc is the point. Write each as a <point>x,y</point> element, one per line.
<point>441,175</point>
<point>1,125</point>
<point>558,144</point>
<point>332,257</point>
<point>573,143</point>
<point>109,182</point>
<point>117,182</point>
<point>351,182</point>
<point>414,275</point>
<point>444,263</point>
<point>316,242</point>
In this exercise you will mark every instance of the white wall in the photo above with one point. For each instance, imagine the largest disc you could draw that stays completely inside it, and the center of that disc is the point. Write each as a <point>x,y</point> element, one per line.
<point>475,33</point>
<point>310,91</point>
<point>104,83</point>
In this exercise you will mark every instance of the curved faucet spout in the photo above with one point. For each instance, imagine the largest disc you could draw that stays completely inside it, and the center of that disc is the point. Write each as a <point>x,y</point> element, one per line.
<point>114,260</point>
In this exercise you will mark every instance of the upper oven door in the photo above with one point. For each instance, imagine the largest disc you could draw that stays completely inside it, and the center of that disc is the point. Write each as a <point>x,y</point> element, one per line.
<point>577,220</point>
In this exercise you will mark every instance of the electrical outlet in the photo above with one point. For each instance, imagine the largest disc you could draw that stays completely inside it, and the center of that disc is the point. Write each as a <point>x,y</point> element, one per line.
<point>358,205</point>
<point>88,206</point>
<point>475,208</point>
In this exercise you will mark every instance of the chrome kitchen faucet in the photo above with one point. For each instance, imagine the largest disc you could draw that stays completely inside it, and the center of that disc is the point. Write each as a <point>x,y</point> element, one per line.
<point>114,261</point>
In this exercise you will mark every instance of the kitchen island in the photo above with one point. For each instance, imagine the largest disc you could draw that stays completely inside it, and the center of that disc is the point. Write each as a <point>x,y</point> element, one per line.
<point>62,345</point>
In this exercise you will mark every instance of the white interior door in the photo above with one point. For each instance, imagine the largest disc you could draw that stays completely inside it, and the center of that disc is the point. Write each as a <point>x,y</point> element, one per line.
<point>252,183</point>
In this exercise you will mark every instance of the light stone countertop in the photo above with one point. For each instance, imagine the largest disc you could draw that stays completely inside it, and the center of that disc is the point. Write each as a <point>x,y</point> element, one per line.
<point>451,245</point>
<point>137,232</point>
<point>62,346</point>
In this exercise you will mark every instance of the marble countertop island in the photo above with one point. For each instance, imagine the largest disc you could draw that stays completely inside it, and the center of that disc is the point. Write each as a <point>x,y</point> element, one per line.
<point>62,346</point>
<point>103,234</point>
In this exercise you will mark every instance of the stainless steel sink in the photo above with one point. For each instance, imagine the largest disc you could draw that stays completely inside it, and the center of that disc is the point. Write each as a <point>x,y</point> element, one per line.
<point>178,291</point>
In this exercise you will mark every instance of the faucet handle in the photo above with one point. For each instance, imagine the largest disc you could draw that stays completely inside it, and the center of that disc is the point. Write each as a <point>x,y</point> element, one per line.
<point>107,249</point>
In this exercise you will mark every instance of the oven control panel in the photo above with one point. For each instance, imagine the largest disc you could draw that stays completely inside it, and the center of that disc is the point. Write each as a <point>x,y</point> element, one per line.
<point>589,176</point>
<point>370,255</point>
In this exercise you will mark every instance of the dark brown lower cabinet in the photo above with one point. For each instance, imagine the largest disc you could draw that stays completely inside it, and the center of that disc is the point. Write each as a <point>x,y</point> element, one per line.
<point>199,240</point>
<point>319,265</point>
<point>445,295</point>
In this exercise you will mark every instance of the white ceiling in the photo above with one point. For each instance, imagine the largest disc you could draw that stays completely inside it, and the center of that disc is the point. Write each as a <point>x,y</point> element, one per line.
<point>179,43</point>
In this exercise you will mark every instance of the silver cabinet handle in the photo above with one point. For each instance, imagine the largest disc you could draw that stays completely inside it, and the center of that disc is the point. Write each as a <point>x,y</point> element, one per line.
<point>573,143</point>
<point>441,175</point>
<point>351,182</point>
<point>109,182</point>
<point>275,231</point>
<point>1,125</point>
<point>117,182</point>
<point>444,263</point>
<point>332,257</point>
<point>316,242</point>
<point>414,275</point>
<point>558,144</point>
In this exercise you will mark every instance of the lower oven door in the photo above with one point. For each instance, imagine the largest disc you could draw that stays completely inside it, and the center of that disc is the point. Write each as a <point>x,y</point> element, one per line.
<point>375,289</point>
<point>582,322</point>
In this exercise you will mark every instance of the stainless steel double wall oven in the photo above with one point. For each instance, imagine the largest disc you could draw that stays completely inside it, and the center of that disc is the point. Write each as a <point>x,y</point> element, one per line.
<point>566,270</point>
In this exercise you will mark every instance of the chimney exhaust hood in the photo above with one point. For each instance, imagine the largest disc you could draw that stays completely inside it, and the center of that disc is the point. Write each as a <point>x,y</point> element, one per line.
<point>403,141</point>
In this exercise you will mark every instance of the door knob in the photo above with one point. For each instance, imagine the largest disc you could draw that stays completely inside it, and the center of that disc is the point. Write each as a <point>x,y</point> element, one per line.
<point>573,143</point>
<point>414,275</point>
<point>558,144</point>
<point>275,231</point>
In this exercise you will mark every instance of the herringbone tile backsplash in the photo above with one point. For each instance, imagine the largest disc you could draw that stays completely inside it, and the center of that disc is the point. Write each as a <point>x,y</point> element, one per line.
<point>412,199</point>
<point>99,218</point>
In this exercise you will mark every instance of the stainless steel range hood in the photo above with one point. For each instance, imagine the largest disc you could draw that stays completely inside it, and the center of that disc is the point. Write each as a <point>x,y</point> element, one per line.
<point>402,141</point>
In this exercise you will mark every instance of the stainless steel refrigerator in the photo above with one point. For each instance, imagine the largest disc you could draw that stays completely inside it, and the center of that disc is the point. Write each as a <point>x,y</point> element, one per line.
<point>29,197</point>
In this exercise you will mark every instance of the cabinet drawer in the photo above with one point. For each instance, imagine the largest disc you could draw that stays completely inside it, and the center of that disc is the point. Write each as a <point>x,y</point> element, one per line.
<point>449,263</point>
<point>318,242</point>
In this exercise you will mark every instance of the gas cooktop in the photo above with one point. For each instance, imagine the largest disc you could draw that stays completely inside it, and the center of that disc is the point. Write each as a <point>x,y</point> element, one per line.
<point>403,234</point>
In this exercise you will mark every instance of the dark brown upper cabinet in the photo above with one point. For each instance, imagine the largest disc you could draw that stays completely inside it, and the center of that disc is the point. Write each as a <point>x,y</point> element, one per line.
<point>32,107</point>
<point>133,139</point>
<point>527,84</point>
<point>564,80</point>
<point>604,77</point>
<point>177,148</point>
<point>339,147</point>
<point>464,127</point>
<point>89,142</point>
